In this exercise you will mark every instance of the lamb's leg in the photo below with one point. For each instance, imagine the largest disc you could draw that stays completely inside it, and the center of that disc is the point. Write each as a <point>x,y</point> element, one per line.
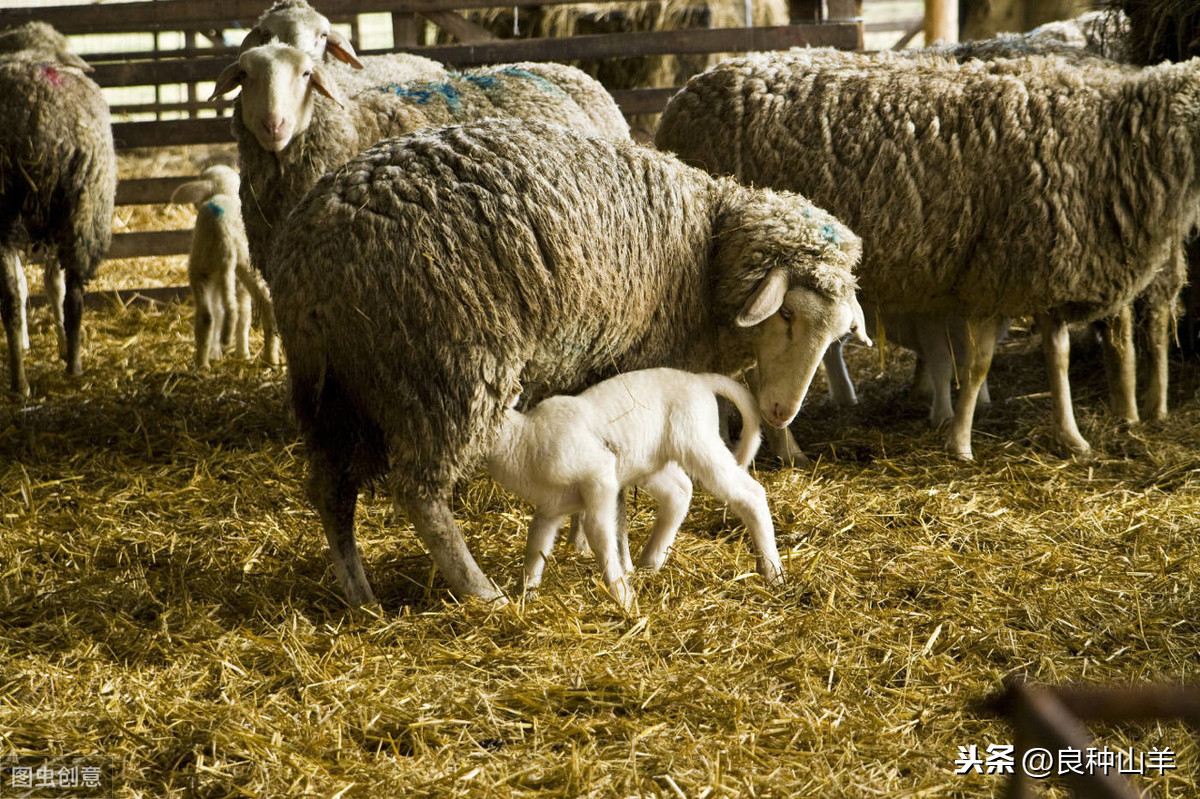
<point>241,332</point>
<point>543,530</point>
<point>600,526</point>
<point>440,534</point>
<point>334,492</point>
<point>981,343</point>
<point>938,358</point>
<point>718,471</point>
<point>1120,365</point>
<point>672,490</point>
<point>1159,318</point>
<point>841,387</point>
<point>12,310</point>
<point>202,324</point>
<point>55,286</point>
<point>1056,344</point>
<point>577,538</point>
<point>227,286</point>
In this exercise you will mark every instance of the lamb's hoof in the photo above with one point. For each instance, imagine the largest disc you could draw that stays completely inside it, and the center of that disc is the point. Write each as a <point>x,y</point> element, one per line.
<point>795,460</point>
<point>1079,449</point>
<point>651,563</point>
<point>961,454</point>
<point>622,592</point>
<point>772,573</point>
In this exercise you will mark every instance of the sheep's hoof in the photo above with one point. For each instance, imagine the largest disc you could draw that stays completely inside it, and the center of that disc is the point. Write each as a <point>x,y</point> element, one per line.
<point>961,454</point>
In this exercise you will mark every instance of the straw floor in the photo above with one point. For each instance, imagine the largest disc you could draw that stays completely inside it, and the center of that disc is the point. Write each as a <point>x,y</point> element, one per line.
<point>166,600</point>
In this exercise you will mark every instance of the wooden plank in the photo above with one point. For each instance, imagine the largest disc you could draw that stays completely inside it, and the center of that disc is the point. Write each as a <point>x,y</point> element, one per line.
<point>460,27</point>
<point>138,244</point>
<point>844,35</point>
<point>149,191</point>
<point>170,133</point>
<point>720,40</point>
<point>220,106</point>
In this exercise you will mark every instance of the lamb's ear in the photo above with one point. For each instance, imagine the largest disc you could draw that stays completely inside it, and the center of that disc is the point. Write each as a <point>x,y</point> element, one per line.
<point>766,299</point>
<point>192,192</point>
<point>325,87</point>
<point>230,78</point>
<point>858,322</point>
<point>69,59</point>
<point>342,50</point>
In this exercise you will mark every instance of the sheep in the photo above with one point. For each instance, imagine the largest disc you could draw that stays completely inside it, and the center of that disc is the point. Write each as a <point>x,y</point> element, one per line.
<point>37,41</point>
<point>58,178</point>
<point>953,171</point>
<point>423,283</point>
<point>298,24</point>
<point>652,428</point>
<point>292,124</point>
<point>219,271</point>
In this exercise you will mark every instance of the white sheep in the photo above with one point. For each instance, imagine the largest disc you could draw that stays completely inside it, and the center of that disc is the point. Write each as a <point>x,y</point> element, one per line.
<point>651,428</point>
<point>219,271</point>
<point>987,189</point>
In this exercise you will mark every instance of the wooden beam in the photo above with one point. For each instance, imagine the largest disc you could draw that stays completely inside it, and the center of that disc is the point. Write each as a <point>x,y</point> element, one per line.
<point>460,27</point>
<point>143,243</point>
<point>127,135</point>
<point>149,191</point>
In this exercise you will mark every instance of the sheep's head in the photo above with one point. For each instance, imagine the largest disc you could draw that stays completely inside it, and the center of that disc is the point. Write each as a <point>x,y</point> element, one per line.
<point>297,24</point>
<point>37,41</point>
<point>797,261</point>
<point>214,180</point>
<point>279,87</point>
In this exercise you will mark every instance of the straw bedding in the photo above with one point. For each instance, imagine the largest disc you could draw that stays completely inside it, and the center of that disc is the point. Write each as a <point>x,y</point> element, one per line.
<point>167,601</point>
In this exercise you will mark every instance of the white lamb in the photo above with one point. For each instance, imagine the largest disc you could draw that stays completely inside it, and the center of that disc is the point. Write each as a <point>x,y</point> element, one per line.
<point>219,270</point>
<point>650,428</point>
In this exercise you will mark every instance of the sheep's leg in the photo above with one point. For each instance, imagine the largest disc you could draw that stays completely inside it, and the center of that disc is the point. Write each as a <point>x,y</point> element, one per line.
<point>672,490</point>
<point>228,304</point>
<point>938,358</point>
<point>1120,364</point>
<point>12,310</point>
<point>1158,323</point>
<point>334,492</point>
<point>981,343</point>
<point>600,526</point>
<point>22,303</point>
<point>440,534</point>
<point>543,530</point>
<point>73,321</point>
<point>257,287</point>
<point>922,385</point>
<point>718,471</point>
<point>841,387</point>
<point>241,333</point>
<point>1056,344</point>
<point>54,284</point>
<point>202,324</point>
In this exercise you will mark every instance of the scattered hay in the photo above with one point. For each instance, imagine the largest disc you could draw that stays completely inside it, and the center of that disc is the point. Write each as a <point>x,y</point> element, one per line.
<point>167,600</point>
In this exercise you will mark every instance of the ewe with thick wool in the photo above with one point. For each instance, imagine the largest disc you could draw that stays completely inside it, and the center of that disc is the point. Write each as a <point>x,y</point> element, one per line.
<point>37,41</point>
<point>652,428</point>
<point>58,180</point>
<point>427,281</point>
<point>980,188</point>
<point>295,120</point>
<point>219,272</point>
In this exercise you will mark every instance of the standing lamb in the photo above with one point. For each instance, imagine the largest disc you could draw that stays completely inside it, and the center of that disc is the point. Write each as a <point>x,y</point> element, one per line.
<point>293,121</point>
<point>982,189</point>
<point>431,278</point>
<point>58,180</point>
<point>652,428</point>
<point>219,270</point>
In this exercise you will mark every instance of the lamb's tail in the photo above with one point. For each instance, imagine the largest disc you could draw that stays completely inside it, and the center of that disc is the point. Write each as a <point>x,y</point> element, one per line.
<point>740,396</point>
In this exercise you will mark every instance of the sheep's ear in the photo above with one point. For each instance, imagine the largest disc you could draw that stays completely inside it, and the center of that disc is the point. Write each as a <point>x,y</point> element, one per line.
<point>858,322</point>
<point>325,87</point>
<point>342,50</point>
<point>69,59</point>
<point>230,78</point>
<point>257,37</point>
<point>766,299</point>
<point>192,192</point>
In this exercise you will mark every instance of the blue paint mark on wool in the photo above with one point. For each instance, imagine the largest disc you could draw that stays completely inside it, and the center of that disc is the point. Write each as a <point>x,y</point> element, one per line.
<point>829,232</point>
<point>423,93</point>
<point>215,208</point>
<point>541,82</point>
<point>482,81</point>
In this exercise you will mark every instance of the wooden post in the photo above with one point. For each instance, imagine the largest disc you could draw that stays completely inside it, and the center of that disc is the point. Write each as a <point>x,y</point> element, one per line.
<point>804,10</point>
<point>847,11</point>
<point>404,31</point>
<point>941,21</point>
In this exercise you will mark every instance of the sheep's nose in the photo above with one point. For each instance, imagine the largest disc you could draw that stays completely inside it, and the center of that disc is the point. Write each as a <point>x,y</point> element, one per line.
<point>273,127</point>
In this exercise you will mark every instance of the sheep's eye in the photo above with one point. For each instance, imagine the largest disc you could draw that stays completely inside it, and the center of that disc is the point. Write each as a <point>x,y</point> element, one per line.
<point>786,314</point>
<point>307,74</point>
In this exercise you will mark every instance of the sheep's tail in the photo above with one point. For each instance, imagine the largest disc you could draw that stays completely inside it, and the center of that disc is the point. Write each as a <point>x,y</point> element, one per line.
<point>740,396</point>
